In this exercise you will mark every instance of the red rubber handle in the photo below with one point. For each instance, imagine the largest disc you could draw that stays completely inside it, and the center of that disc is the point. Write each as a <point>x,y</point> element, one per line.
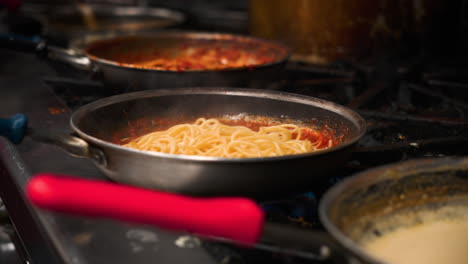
<point>238,219</point>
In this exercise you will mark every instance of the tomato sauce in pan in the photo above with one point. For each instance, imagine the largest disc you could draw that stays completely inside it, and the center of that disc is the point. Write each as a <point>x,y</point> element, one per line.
<point>325,136</point>
<point>186,54</point>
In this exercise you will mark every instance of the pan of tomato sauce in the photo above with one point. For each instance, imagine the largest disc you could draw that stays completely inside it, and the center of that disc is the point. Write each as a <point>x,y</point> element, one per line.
<point>168,59</point>
<point>186,59</point>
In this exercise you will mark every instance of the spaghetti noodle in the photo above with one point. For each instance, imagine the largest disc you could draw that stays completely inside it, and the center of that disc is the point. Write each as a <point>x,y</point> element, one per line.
<point>210,137</point>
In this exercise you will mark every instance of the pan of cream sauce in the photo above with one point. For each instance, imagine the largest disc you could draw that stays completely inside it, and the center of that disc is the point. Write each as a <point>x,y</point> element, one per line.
<point>444,241</point>
<point>407,212</point>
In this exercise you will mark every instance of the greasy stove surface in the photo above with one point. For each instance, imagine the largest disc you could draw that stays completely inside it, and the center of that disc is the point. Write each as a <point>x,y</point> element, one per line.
<point>409,116</point>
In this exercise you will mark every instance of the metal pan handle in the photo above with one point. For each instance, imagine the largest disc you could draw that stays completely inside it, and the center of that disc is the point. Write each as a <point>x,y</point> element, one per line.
<point>40,47</point>
<point>71,58</point>
<point>72,144</point>
<point>16,128</point>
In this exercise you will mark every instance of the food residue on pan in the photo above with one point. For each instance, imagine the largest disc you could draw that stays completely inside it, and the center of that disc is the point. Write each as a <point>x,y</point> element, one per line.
<point>185,54</point>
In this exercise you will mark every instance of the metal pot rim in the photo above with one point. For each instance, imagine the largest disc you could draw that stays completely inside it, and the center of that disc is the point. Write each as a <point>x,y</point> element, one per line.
<point>177,17</point>
<point>352,116</point>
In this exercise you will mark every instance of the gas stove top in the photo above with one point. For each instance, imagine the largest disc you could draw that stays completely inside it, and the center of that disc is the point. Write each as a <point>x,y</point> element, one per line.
<point>414,109</point>
<point>408,117</point>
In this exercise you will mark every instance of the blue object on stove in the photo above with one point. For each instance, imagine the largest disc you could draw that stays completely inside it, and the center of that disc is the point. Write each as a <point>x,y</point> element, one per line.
<point>14,128</point>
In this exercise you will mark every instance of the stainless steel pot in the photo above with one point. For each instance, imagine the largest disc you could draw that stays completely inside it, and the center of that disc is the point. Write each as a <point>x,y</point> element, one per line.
<point>67,21</point>
<point>97,124</point>
<point>120,78</point>
<point>325,32</point>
